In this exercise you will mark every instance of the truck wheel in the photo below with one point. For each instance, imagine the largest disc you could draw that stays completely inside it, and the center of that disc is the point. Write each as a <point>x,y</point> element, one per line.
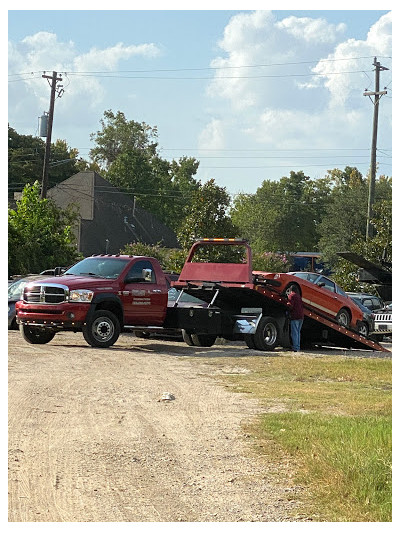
<point>343,318</point>
<point>36,335</point>
<point>266,335</point>
<point>187,338</point>
<point>203,340</point>
<point>249,339</point>
<point>102,329</point>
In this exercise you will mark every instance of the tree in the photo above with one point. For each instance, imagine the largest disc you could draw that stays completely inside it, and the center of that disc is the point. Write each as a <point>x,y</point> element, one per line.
<point>344,221</point>
<point>25,161</point>
<point>127,152</point>
<point>282,215</point>
<point>40,234</point>
<point>377,249</point>
<point>207,216</point>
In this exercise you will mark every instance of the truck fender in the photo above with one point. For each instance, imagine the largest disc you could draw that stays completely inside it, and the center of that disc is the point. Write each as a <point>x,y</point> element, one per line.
<point>109,301</point>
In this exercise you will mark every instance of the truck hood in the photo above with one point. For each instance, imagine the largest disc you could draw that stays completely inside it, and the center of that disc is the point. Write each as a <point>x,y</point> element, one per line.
<point>82,282</point>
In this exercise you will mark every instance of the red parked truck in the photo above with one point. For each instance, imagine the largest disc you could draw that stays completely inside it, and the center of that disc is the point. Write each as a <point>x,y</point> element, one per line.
<point>105,294</point>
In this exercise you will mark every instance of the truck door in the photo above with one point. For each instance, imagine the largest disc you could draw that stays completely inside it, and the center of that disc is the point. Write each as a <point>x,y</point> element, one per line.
<point>143,296</point>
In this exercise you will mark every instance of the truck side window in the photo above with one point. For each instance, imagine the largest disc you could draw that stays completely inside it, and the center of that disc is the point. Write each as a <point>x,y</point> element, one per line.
<point>136,272</point>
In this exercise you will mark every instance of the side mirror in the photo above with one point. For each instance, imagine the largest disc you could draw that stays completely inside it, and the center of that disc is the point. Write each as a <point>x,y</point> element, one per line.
<point>146,277</point>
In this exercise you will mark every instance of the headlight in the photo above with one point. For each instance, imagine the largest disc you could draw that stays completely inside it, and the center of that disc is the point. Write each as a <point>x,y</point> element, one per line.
<point>81,295</point>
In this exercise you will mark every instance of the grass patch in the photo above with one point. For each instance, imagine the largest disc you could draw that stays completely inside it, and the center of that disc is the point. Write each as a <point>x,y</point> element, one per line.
<point>332,415</point>
<point>346,461</point>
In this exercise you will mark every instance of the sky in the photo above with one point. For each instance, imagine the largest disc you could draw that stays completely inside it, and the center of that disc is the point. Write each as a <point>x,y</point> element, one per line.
<point>251,93</point>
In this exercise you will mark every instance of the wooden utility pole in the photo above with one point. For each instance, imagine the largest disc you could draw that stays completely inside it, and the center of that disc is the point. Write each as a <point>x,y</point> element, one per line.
<point>54,81</point>
<point>377,96</point>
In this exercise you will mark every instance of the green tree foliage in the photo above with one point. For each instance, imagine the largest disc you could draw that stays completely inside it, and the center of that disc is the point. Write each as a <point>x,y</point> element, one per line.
<point>282,215</point>
<point>270,262</point>
<point>127,152</point>
<point>40,234</point>
<point>377,249</point>
<point>26,156</point>
<point>207,215</point>
<point>344,220</point>
<point>149,250</point>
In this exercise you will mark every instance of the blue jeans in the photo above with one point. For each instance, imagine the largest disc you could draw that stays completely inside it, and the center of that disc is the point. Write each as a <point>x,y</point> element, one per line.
<point>295,328</point>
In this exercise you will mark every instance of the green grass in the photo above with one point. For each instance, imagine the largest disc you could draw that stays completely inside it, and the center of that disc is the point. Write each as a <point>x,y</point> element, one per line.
<point>332,416</point>
<point>346,461</point>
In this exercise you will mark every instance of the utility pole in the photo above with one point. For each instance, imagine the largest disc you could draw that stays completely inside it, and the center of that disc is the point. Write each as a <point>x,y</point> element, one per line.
<point>377,96</point>
<point>54,81</point>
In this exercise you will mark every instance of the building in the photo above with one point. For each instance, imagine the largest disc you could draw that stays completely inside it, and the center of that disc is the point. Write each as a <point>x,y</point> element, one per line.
<point>108,219</point>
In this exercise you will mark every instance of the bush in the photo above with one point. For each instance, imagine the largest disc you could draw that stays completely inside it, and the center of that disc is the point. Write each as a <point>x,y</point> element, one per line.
<point>270,262</point>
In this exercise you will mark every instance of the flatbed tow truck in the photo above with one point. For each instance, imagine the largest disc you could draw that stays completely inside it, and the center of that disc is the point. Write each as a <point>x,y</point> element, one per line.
<point>106,294</point>
<point>244,305</point>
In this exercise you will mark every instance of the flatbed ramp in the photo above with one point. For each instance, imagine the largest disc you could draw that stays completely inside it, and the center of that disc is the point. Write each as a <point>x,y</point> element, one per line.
<point>241,301</point>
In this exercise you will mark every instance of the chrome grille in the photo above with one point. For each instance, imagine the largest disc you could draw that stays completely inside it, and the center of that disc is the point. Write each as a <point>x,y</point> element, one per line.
<point>383,318</point>
<point>51,293</point>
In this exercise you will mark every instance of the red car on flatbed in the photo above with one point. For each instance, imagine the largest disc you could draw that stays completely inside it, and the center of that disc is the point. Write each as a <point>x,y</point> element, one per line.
<point>321,294</point>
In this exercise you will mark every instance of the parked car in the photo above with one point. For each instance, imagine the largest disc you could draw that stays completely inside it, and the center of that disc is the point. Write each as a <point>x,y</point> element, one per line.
<point>383,322</point>
<point>369,300</point>
<point>15,289</point>
<point>322,294</point>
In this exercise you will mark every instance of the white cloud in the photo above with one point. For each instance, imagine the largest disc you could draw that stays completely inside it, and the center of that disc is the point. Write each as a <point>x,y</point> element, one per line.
<point>212,135</point>
<point>44,52</point>
<point>311,30</point>
<point>109,58</point>
<point>341,86</point>
<point>280,109</point>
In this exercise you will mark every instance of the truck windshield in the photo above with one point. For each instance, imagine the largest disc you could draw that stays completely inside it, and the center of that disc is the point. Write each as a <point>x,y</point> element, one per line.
<point>103,267</point>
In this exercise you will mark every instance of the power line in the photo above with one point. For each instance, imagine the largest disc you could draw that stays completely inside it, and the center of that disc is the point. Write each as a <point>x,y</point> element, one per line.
<point>261,65</point>
<point>260,76</point>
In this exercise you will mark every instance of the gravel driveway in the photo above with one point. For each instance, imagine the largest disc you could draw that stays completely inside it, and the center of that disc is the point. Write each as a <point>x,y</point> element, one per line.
<point>91,438</point>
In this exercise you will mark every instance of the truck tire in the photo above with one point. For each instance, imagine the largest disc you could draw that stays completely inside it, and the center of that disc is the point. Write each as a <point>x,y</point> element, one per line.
<point>102,329</point>
<point>203,340</point>
<point>267,334</point>
<point>249,339</point>
<point>187,338</point>
<point>36,335</point>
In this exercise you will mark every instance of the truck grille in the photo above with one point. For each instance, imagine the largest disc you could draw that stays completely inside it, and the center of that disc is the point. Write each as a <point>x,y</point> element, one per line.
<point>46,294</point>
<point>383,318</point>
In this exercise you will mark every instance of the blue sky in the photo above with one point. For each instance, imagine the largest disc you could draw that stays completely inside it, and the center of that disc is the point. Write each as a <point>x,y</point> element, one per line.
<point>252,94</point>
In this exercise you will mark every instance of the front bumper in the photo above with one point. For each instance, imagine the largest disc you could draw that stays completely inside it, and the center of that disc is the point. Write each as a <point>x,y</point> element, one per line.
<point>64,316</point>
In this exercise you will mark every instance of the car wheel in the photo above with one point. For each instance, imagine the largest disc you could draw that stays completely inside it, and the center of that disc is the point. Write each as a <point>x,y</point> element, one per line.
<point>343,318</point>
<point>363,329</point>
<point>289,288</point>
<point>267,333</point>
<point>36,335</point>
<point>102,329</point>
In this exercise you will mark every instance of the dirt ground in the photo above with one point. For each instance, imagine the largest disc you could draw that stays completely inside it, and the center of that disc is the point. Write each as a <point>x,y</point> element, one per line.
<point>91,438</point>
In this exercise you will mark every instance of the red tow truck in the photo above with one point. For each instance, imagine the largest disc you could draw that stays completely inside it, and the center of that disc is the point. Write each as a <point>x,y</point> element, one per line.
<point>103,295</point>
